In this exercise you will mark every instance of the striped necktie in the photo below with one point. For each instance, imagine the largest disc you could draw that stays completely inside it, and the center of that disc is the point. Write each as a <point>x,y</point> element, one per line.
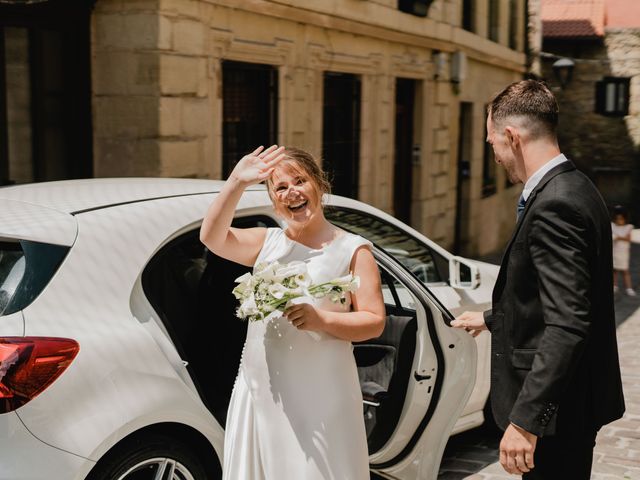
<point>520,209</point>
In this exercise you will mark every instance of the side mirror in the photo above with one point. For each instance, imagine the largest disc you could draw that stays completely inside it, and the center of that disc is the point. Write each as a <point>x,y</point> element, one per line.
<point>463,274</point>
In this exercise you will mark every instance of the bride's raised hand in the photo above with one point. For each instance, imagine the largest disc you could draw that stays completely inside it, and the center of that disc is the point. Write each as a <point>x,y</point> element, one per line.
<point>256,166</point>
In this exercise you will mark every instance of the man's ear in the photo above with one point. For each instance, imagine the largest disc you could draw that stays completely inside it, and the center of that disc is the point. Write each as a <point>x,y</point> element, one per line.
<point>513,137</point>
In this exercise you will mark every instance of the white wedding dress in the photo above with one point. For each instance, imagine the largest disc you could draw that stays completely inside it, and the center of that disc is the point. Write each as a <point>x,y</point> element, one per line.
<point>296,408</point>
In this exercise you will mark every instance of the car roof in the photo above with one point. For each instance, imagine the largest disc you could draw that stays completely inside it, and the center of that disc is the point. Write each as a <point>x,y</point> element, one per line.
<point>75,196</point>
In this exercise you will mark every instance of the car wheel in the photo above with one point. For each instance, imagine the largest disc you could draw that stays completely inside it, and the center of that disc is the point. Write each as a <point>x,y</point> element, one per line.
<point>150,458</point>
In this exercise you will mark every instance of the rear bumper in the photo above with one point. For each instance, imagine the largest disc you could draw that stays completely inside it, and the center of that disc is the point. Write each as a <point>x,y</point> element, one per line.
<point>24,457</point>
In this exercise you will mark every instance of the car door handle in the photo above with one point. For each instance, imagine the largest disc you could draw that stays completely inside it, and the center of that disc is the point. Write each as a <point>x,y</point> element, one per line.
<point>419,377</point>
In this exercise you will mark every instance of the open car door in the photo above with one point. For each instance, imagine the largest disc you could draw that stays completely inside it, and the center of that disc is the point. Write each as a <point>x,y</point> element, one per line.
<point>415,378</point>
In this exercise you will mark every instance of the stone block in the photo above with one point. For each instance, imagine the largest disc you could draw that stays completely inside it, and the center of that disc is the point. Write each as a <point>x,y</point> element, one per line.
<point>443,91</point>
<point>441,140</point>
<point>445,115</point>
<point>125,116</point>
<point>179,158</point>
<point>121,73</point>
<point>441,185</point>
<point>197,117</point>
<point>179,75</point>
<point>128,31</point>
<point>120,6</point>
<point>170,116</point>
<point>181,8</point>
<point>189,37</point>
<point>165,33</point>
<point>118,157</point>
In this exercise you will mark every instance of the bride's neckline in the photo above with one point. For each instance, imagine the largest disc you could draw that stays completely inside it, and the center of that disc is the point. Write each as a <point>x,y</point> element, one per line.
<point>326,245</point>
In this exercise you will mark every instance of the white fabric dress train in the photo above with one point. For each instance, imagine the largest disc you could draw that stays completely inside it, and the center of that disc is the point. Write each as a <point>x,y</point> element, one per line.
<point>296,408</point>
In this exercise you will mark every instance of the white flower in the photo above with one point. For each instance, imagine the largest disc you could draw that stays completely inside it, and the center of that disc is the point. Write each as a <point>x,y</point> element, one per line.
<point>245,279</point>
<point>273,285</point>
<point>292,269</point>
<point>277,290</point>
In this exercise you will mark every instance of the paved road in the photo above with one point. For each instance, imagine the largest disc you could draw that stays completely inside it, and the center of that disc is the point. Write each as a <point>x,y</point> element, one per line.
<point>473,455</point>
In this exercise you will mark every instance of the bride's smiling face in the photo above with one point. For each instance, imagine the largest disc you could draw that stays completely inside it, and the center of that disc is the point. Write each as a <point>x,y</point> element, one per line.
<point>294,193</point>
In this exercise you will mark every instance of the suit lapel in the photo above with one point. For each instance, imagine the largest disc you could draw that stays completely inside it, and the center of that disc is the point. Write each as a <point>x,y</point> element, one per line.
<point>557,170</point>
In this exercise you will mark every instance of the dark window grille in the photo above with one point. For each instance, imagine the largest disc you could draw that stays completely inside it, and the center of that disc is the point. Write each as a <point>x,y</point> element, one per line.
<point>45,92</point>
<point>612,96</point>
<point>341,132</point>
<point>465,155</point>
<point>494,20</point>
<point>249,110</point>
<point>403,158</point>
<point>488,170</point>
<point>469,15</point>
<point>513,24</point>
<point>420,8</point>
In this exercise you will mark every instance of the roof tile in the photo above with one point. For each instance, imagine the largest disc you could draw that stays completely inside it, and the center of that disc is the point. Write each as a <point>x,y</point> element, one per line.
<point>573,18</point>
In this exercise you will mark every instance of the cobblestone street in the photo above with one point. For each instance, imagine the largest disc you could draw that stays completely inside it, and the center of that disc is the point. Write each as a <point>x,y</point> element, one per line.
<point>473,455</point>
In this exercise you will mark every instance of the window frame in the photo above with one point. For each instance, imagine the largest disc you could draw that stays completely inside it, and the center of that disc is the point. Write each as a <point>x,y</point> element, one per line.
<point>440,261</point>
<point>620,85</point>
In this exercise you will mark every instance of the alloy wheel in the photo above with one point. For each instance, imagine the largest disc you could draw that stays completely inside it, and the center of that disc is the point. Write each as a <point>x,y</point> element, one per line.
<point>160,468</point>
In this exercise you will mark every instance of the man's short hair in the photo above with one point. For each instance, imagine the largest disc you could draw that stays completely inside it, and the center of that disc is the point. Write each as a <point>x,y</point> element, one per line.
<point>530,102</point>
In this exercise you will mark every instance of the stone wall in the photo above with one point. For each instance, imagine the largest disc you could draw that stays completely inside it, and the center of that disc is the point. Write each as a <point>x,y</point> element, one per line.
<point>606,148</point>
<point>158,89</point>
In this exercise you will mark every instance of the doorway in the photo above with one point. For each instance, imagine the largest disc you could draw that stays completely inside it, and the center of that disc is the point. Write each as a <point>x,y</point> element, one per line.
<point>404,143</point>
<point>463,194</point>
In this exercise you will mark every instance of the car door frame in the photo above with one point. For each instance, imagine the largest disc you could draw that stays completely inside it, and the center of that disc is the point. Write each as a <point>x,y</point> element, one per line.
<point>444,341</point>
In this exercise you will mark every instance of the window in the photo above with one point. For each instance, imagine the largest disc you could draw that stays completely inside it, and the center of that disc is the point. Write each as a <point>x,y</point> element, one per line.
<point>419,8</point>
<point>426,265</point>
<point>612,96</point>
<point>404,149</point>
<point>488,170</point>
<point>45,92</point>
<point>513,24</point>
<point>26,267</point>
<point>494,20</point>
<point>341,132</point>
<point>463,193</point>
<point>469,15</point>
<point>249,110</point>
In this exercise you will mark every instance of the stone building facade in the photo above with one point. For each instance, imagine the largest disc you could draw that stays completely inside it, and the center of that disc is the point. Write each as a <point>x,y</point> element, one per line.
<point>600,104</point>
<point>163,102</point>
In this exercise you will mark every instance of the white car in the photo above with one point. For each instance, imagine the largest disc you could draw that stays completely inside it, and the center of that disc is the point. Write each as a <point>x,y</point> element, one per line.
<point>119,346</point>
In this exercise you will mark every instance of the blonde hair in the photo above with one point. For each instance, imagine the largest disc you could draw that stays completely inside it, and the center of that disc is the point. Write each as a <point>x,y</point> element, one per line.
<point>305,162</point>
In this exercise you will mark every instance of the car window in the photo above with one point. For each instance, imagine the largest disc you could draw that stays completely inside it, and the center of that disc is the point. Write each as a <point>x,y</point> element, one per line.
<point>395,293</point>
<point>426,265</point>
<point>25,269</point>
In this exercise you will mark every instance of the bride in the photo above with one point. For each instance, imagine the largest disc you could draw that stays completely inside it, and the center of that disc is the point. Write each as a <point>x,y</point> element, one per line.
<point>296,408</point>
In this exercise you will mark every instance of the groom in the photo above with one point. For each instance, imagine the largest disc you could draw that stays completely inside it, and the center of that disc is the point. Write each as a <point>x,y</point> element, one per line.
<point>555,377</point>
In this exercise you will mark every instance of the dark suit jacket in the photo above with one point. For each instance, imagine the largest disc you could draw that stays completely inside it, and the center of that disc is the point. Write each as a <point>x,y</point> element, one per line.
<point>554,364</point>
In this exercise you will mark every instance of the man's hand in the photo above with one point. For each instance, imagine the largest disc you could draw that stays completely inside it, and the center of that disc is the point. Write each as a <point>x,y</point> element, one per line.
<point>516,450</point>
<point>472,322</point>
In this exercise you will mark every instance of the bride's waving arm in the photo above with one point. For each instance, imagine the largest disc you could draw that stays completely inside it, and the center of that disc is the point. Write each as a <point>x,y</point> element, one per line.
<point>240,245</point>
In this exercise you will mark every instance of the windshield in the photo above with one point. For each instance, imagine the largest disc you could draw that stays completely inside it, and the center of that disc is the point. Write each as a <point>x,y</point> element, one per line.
<point>25,269</point>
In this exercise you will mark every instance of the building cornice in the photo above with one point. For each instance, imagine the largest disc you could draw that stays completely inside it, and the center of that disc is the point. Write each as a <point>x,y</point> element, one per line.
<point>418,32</point>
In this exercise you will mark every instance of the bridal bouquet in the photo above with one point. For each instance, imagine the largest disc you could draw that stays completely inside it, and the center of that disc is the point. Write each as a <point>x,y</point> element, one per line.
<point>273,285</point>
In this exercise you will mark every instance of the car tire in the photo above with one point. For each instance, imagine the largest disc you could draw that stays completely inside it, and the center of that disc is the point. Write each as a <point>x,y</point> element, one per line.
<point>142,458</point>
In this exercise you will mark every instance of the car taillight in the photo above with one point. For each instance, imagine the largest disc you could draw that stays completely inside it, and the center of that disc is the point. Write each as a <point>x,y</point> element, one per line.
<point>28,365</point>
